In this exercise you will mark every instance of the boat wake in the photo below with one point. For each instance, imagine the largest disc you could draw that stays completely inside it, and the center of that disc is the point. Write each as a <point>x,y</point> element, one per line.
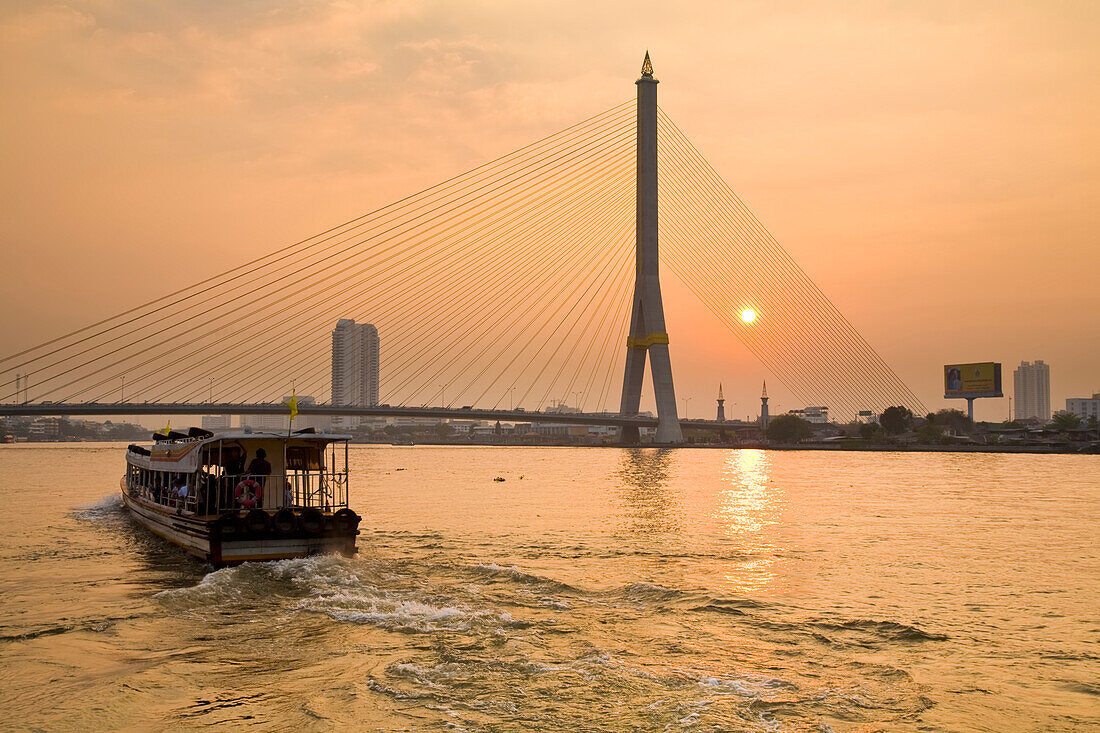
<point>109,507</point>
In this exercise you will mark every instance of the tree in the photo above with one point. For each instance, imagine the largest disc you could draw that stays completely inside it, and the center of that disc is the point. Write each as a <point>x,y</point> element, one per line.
<point>788,429</point>
<point>896,420</point>
<point>868,429</point>
<point>956,420</point>
<point>1064,420</point>
<point>930,433</point>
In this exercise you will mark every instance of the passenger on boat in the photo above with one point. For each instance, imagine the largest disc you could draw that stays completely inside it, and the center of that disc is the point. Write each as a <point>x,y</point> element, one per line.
<point>259,469</point>
<point>234,467</point>
<point>179,492</point>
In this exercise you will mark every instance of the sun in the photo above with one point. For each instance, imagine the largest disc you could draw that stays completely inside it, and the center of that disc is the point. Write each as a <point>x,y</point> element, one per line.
<point>748,315</point>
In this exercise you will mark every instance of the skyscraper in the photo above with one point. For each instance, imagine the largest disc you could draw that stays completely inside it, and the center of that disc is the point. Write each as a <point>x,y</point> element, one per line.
<point>354,366</point>
<point>1032,388</point>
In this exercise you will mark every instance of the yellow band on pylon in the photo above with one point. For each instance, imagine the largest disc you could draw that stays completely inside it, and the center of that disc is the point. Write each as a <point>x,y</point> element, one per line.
<point>646,341</point>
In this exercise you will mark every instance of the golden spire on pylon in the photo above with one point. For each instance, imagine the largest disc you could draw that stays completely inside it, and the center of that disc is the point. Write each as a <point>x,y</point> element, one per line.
<point>764,394</point>
<point>647,65</point>
<point>720,391</point>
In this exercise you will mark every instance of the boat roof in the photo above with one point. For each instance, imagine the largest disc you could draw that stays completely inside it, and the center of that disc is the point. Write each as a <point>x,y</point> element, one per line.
<point>322,437</point>
<point>183,454</point>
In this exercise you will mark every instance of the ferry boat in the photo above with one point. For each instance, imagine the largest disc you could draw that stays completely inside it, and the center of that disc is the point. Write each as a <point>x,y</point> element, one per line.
<point>194,490</point>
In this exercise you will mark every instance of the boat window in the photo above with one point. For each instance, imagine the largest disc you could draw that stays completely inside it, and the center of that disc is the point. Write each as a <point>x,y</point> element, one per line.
<point>303,458</point>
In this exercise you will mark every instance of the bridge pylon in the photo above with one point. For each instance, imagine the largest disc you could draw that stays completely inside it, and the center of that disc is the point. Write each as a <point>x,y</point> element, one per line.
<point>647,319</point>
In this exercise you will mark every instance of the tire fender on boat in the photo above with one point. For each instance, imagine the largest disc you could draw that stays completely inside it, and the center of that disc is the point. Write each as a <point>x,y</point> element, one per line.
<point>284,521</point>
<point>312,522</point>
<point>346,521</point>
<point>258,521</point>
<point>229,527</point>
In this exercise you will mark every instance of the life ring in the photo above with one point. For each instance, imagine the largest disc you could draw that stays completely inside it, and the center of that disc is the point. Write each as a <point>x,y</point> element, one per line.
<point>248,493</point>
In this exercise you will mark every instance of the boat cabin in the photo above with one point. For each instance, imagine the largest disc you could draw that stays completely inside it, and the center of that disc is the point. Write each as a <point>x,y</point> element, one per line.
<point>203,474</point>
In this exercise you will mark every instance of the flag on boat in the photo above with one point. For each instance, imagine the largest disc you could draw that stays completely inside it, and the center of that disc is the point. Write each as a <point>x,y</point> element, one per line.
<point>292,403</point>
<point>167,429</point>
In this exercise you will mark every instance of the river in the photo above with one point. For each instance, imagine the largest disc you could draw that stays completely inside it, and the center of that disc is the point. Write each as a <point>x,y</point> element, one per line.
<point>591,589</point>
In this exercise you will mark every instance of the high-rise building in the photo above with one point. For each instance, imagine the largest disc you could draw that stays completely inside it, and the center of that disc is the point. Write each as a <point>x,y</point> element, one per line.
<point>1084,407</point>
<point>268,422</point>
<point>217,423</point>
<point>354,366</point>
<point>279,422</point>
<point>1032,390</point>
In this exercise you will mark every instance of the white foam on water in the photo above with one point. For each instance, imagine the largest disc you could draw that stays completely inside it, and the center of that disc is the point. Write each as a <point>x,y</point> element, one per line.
<point>215,587</point>
<point>396,694</point>
<point>769,724</point>
<point>108,506</point>
<point>512,571</point>
<point>319,573</point>
<point>336,587</point>
<point>749,686</point>
<point>422,675</point>
<point>555,603</point>
<point>399,612</point>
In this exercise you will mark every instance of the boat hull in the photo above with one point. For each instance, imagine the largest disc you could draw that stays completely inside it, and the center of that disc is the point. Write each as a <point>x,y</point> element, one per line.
<point>202,536</point>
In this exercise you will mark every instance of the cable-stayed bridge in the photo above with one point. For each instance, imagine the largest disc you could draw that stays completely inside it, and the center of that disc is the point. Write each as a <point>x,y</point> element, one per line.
<point>517,282</point>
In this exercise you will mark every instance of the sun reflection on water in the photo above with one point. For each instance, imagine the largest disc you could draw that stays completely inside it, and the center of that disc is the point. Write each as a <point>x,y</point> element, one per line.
<point>748,510</point>
<point>650,507</point>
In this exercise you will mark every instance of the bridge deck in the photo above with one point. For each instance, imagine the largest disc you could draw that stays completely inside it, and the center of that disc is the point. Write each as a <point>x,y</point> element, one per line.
<point>38,409</point>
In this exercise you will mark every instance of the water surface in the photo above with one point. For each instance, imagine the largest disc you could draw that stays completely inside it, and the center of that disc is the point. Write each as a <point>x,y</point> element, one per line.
<point>596,589</point>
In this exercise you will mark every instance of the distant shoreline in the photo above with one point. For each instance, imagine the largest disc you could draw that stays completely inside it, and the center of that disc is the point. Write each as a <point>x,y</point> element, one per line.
<point>1040,449</point>
<point>832,448</point>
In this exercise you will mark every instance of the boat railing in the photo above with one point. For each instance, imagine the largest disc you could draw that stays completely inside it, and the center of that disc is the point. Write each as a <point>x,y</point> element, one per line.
<point>324,490</point>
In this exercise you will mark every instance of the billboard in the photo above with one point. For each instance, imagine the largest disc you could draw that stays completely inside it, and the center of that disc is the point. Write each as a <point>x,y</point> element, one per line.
<point>965,381</point>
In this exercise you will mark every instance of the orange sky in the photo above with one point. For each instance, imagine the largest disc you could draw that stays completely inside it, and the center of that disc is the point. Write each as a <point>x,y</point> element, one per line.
<point>930,165</point>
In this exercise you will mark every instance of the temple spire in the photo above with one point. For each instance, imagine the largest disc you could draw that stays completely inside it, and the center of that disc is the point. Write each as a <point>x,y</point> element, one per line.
<point>764,417</point>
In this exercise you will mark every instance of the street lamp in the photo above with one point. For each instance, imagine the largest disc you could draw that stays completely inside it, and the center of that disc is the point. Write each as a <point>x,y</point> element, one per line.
<point>686,400</point>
